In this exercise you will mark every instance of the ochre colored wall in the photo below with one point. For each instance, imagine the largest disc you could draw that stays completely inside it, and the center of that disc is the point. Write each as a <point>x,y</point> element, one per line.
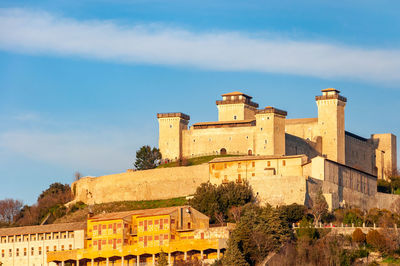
<point>162,183</point>
<point>360,154</point>
<point>236,140</point>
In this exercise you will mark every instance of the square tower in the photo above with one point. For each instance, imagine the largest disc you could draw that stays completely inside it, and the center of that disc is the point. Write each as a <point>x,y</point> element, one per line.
<point>236,106</point>
<point>331,124</point>
<point>171,126</point>
<point>270,131</point>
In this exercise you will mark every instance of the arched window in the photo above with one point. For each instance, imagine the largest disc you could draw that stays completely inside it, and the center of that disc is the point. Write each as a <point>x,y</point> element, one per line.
<point>223,151</point>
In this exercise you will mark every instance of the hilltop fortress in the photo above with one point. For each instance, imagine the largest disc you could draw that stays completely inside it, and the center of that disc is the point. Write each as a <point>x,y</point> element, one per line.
<point>284,160</point>
<point>242,128</point>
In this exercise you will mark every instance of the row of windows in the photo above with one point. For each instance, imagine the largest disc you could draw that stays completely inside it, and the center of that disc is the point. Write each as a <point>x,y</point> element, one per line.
<point>40,237</point>
<point>158,223</point>
<point>253,164</point>
<point>38,252</point>
<point>143,241</point>
<point>101,228</point>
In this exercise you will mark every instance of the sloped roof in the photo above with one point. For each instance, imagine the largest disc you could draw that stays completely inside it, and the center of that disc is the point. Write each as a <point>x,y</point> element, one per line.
<point>235,93</point>
<point>48,228</point>
<point>140,213</point>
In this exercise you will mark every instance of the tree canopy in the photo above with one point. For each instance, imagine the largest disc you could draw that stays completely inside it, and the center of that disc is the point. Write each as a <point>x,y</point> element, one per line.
<point>146,158</point>
<point>217,201</point>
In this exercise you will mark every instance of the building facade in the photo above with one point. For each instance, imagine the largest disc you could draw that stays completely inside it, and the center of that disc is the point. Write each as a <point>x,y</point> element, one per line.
<point>28,245</point>
<point>244,129</point>
<point>138,237</point>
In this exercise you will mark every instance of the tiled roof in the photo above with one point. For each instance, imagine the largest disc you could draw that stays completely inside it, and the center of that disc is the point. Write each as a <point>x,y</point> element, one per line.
<point>48,228</point>
<point>141,213</point>
<point>250,158</point>
<point>235,93</point>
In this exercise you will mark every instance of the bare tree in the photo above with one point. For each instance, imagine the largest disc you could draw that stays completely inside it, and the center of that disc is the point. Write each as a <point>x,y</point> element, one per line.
<point>319,206</point>
<point>77,175</point>
<point>9,208</point>
<point>236,212</point>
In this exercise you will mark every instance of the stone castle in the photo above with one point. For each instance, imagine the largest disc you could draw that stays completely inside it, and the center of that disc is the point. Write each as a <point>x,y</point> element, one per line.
<point>284,160</point>
<point>242,128</point>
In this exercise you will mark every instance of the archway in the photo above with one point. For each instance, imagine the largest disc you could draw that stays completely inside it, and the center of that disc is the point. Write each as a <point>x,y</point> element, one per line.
<point>250,152</point>
<point>222,151</point>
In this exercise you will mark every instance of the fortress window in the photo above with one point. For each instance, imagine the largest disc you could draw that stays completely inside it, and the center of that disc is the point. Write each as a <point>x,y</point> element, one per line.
<point>261,129</point>
<point>234,117</point>
<point>209,139</point>
<point>265,141</point>
<point>247,137</point>
<point>194,140</point>
<point>170,126</point>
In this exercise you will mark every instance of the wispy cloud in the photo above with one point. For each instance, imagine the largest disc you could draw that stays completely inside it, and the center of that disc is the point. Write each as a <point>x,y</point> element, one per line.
<point>39,32</point>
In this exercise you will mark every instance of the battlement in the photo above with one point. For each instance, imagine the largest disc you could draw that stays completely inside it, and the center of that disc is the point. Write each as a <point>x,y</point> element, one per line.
<point>329,94</point>
<point>270,109</point>
<point>168,115</point>
<point>237,98</point>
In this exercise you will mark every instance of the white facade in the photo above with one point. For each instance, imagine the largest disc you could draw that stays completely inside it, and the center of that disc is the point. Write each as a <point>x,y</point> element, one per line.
<point>28,245</point>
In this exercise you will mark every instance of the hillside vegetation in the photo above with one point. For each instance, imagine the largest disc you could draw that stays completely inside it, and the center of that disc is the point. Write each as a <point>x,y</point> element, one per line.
<point>79,211</point>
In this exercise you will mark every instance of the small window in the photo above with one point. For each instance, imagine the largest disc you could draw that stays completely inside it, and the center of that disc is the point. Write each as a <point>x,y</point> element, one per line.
<point>40,250</point>
<point>283,162</point>
<point>234,117</point>
<point>268,163</point>
<point>253,174</point>
<point>239,165</point>
<point>32,251</point>
<point>170,126</point>
<point>55,248</point>
<point>110,226</point>
<point>62,247</point>
<point>261,129</point>
<point>24,251</point>
<point>265,141</point>
<point>17,252</point>
<point>253,164</point>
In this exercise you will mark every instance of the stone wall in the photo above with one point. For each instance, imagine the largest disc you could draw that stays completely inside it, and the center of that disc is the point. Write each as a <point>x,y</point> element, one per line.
<point>360,153</point>
<point>154,184</point>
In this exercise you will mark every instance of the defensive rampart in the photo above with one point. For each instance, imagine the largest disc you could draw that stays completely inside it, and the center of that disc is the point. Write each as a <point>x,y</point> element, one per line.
<point>154,184</point>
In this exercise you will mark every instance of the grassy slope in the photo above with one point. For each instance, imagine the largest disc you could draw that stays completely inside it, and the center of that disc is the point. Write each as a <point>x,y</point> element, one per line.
<point>81,215</point>
<point>196,160</point>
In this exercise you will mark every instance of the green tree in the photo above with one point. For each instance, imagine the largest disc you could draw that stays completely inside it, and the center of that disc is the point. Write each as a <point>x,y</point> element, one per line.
<point>162,259</point>
<point>293,212</point>
<point>217,201</point>
<point>259,231</point>
<point>146,158</point>
<point>233,256</point>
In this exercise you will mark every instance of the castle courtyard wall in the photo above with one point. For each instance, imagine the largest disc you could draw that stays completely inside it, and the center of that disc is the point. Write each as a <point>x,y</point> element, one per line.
<point>360,153</point>
<point>236,140</point>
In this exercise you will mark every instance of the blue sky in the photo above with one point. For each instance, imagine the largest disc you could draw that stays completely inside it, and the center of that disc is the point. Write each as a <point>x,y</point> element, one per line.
<point>82,81</point>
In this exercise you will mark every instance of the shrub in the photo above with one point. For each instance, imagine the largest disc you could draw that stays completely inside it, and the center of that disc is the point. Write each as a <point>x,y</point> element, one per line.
<point>358,236</point>
<point>293,212</point>
<point>384,186</point>
<point>376,240</point>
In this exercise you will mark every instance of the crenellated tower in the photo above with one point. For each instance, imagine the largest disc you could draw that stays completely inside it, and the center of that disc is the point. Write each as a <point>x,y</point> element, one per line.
<point>331,107</point>
<point>171,126</point>
<point>236,106</point>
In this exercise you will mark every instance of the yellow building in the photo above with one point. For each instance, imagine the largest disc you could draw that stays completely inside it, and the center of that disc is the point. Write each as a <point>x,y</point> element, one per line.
<point>138,237</point>
<point>242,128</point>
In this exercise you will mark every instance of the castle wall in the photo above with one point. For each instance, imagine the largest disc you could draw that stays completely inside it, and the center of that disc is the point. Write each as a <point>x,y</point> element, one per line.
<point>236,140</point>
<point>386,154</point>
<point>296,145</point>
<point>154,184</point>
<point>360,153</point>
<point>305,128</point>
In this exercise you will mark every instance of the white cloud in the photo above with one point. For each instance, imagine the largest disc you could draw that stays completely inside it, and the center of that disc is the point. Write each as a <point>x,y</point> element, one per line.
<point>43,33</point>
